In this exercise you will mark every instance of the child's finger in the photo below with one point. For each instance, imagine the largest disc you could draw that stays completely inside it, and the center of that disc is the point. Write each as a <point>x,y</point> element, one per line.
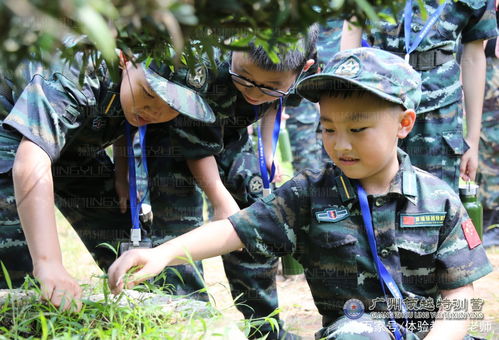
<point>139,277</point>
<point>462,169</point>
<point>123,200</point>
<point>119,268</point>
<point>47,290</point>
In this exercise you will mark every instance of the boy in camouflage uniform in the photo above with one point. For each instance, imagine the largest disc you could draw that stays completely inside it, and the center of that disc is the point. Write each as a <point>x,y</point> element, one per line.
<point>425,238</point>
<point>436,143</point>
<point>52,137</point>
<point>244,89</point>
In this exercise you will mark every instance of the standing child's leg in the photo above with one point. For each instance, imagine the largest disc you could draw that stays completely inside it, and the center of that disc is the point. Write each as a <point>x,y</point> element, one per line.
<point>436,143</point>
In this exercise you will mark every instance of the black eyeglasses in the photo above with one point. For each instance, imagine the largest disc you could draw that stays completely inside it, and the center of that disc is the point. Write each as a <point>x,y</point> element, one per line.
<point>265,90</point>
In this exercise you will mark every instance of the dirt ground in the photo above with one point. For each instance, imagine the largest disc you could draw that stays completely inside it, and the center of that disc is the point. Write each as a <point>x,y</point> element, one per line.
<point>295,300</point>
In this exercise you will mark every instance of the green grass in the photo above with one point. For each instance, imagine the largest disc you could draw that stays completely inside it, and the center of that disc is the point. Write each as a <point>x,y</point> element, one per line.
<point>106,317</point>
<point>120,317</point>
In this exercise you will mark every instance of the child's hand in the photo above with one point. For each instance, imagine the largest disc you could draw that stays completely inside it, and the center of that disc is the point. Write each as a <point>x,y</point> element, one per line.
<point>145,260</point>
<point>58,286</point>
<point>279,174</point>
<point>469,163</point>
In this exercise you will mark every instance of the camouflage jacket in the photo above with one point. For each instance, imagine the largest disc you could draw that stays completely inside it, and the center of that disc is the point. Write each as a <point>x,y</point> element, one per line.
<point>468,20</point>
<point>419,226</point>
<point>68,121</point>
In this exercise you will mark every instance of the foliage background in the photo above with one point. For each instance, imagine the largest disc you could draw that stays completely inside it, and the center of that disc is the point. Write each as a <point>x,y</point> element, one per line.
<point>162,29</point>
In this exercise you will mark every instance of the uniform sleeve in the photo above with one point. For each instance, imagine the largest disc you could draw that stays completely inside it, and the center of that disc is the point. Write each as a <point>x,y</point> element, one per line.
<point>482,24</point>
<point>47,110</point>
<point>195,140</point>
<point>272,225</point>
<point>460,258</point>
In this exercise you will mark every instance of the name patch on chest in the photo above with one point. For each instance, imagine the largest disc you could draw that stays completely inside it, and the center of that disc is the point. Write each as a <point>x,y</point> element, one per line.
<point>334,214</point>
<point>422,220</point>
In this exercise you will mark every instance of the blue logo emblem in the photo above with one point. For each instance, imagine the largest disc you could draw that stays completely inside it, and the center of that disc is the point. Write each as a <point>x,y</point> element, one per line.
<point>334,214</point>
<point>353,309</point>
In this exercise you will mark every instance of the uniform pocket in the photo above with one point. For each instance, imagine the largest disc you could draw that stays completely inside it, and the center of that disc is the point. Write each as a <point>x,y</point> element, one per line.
<point>243,179</point>
<point>417,250</point>
<point>454,143</point>
<point>332,254</point>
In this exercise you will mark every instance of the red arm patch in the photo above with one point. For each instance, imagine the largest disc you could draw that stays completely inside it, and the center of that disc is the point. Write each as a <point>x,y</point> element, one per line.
<point>470,234</point>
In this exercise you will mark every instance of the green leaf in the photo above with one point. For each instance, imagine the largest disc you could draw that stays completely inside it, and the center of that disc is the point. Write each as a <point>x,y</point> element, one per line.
<point>367,9</point>
<point>43,323</point>
<point>422,8</point>
<point>388,18</point>
<point>185,14</point>
<point>94,26</point>
<point>336,4</point>
<point>6,275</point>
<point>110,247</point>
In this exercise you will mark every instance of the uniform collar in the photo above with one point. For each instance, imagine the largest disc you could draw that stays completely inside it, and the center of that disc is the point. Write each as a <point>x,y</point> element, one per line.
<point>404,182</point>
<point>345,187</point>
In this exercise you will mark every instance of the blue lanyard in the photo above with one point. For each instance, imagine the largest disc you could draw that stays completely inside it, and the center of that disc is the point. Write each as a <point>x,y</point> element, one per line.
<point>261,153</point>
<point>410,47</point>
<point>132,180</point>
<point>384,276</point>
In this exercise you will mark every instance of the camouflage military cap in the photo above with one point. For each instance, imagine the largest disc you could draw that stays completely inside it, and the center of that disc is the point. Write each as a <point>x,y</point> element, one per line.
<point>177,94</point>
<point>379,72</point>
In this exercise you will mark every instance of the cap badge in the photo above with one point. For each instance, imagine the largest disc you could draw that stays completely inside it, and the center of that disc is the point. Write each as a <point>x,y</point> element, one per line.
<point>349,68</point>
<point>198,79</point>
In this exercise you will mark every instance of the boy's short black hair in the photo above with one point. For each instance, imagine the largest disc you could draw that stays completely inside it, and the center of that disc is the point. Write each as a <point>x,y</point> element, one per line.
<point>290,59</point>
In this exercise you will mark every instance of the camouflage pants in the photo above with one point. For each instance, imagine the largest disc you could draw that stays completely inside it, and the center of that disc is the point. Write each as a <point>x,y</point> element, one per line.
<point>305,144</point>
<point>177,205</point>
<point>488,168</point>
<point>436,143</point>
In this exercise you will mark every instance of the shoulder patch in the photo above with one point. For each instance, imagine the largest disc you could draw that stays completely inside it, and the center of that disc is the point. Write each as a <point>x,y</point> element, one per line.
<point>255,184</point>
<point>197,79</point>
<point>470,234</point>
<point>334,214</point>
<point>422,220</point>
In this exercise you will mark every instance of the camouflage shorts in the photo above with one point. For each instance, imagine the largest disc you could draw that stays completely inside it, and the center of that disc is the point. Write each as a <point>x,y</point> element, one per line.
<point>436,143</point>
<point>488,167</point>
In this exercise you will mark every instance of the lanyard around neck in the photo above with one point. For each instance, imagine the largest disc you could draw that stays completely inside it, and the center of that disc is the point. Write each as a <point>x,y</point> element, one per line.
<point>132,180</point>
<point>411,46</point>
<point>261,153</point>
<point>384,276</point>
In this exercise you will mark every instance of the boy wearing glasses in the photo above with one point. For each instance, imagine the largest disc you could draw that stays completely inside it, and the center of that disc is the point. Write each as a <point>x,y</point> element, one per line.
<point>185,156</point>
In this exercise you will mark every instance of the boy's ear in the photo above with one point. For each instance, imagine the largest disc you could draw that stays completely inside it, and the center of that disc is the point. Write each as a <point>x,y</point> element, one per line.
<point>308,64</point>
<point>406,123</point>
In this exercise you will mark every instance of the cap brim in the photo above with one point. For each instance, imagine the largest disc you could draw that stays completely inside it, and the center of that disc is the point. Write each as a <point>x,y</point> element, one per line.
<point>182,99</point>
<point>311,87</point>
